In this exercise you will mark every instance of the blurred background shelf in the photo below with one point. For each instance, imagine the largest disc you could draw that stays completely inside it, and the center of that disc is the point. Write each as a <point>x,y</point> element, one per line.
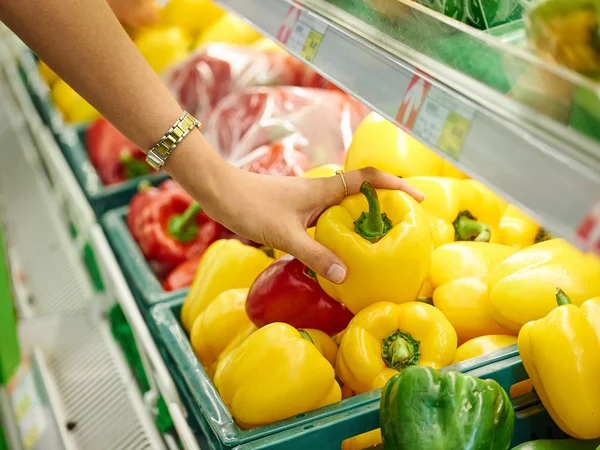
<point>483,114</point>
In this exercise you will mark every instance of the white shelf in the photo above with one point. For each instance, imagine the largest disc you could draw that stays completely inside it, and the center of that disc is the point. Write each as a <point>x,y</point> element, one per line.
<point>550,171</point>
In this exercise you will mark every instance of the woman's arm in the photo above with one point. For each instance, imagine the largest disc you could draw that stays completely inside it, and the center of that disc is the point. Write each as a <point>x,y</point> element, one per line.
<point>82,41</point>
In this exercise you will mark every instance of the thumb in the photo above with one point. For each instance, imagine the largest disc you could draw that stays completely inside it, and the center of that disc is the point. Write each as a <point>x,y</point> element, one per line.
<point>317,257</point>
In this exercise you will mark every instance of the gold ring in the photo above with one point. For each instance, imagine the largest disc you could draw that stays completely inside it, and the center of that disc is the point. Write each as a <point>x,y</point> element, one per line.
<point>341,174</point>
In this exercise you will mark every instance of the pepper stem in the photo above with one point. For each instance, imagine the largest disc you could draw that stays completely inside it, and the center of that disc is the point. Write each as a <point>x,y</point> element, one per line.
<point>400,350</point>
<point>305,335</point>
<point>562,298</point>
<point>372,225</point>
<point>543,235</point>
<point>183,227</point>
<point>467,228</point>
<point>133,167</point>
<point>144,186</point>
<point>427,300</point>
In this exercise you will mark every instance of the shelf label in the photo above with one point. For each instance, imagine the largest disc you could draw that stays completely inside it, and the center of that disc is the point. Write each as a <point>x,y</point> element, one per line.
<point>27,406</point>
<point>435,117</point>
<point>588,230</point>
<point>302,33</point>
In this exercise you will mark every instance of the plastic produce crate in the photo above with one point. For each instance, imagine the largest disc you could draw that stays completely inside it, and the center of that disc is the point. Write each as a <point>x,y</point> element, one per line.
<point>532,421</point>
<point>323,428</point>
<point>102,198</point>
<point>143,282</point>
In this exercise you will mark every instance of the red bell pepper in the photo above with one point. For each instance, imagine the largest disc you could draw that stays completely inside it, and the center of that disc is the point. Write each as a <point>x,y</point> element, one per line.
<point>286,292</point>
<point>115,157</point>
<point>146,194</point>
<point>174,229</point>
<point>182,275</point>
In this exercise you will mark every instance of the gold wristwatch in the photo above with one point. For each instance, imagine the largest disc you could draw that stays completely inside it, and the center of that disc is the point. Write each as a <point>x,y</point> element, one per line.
<point>157,155</point>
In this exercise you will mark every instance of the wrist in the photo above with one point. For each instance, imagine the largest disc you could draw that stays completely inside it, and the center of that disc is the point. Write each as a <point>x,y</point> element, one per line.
<point>198,169</point>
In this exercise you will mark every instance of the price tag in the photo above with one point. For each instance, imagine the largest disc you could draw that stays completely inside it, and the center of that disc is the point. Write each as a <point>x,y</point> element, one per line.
<point>27,405</point>
<point>302,33</point>
<point>435,117</point>
<point>589,229</point>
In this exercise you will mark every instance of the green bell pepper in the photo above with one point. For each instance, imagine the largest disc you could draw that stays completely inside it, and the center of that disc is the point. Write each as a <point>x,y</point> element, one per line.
<point>560,444</point>
<point>422,409</point>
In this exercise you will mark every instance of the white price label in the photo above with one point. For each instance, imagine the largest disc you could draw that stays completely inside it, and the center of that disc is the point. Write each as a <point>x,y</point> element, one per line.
<point>305,35</point>
<point>435,117</point>
<point>27,406</point>
<point>589,229</point>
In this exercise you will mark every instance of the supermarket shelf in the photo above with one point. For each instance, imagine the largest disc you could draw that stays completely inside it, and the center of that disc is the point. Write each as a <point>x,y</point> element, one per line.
<point>553,174</point>
<point>90,388</point>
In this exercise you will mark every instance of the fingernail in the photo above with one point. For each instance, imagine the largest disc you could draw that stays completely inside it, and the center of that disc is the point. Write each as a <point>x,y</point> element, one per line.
<point>336,274</point>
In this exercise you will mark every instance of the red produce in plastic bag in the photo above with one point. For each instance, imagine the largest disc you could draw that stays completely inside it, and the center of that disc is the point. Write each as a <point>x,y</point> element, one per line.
<point>284,130</point>
<point>216,70</point>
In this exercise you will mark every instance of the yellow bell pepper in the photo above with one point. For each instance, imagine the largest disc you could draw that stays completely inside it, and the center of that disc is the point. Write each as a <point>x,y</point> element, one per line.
<point>293,377</point>
<point>233,344</point>
<point>522,286</point>
<point>228,29</point>
<point>363,441</point>
<point>193,16</point>
<point>218,324</point>
<point>327,170</point>
<point>324,343</point>
<point>226,264</point>
<point>379,143</point>
<point>461,210</point>
<point>448,170</point>
<point>385,338</point>
<point>163,47</point>
<point>73,106</point>
<point>387,255</point>
<point>483,345</point>
<point>459,275</point>
<point>561,354</point>
<point>518,230</point>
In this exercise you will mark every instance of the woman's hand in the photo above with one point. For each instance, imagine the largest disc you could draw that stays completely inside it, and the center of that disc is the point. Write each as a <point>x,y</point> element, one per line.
<point>276,211</point>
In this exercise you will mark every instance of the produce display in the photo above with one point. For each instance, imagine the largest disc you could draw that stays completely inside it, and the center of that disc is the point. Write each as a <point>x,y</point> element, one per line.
<point>430,286</point>
<point>216,70</point>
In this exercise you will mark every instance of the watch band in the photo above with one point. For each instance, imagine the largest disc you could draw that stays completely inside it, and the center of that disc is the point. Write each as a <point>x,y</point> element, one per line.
<point>157,155</point>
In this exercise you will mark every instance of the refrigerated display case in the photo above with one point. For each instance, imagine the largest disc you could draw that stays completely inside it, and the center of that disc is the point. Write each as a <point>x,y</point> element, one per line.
<point>471,87</point>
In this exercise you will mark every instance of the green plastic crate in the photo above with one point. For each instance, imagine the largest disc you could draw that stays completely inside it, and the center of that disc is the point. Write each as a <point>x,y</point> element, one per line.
<point>102,198</point>
<point>532,421</point>
<point>144,284</point>
<point>324,428</point>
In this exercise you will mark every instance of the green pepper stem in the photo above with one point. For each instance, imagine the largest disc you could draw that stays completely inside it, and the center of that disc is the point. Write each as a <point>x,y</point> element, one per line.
<point>183,227</point>
<point>562,298</point>
<point>400,350</point>
<point>427,300</point>
<point>543,235</point>
<point>269,251</point>
<point>372,225</point>
<point>305,335</point>
<point>144,186</point>
<point>467,228</point>
<point>133,167</point>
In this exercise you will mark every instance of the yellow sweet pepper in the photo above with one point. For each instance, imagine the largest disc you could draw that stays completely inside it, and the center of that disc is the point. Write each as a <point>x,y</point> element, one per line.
<point>218,324</point>
<point>228,29</point>
<point>363,441</point>
<point>387,255</point>
<point>459,275</point>
<point>324,344</point>
<point>293,377</point>
<point>461,210</point>
<point>379,143</point>
<point>518,230</point>
<point>482,345</point>
<point>226,264</point>
<point>522,286</point>
<point>561,354</point>
<point>233,344</point>
<point>385,338</point>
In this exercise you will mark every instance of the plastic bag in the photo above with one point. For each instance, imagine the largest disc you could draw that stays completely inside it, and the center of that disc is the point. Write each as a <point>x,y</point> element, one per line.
<point>216,70</point>
<point>284,130</point>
